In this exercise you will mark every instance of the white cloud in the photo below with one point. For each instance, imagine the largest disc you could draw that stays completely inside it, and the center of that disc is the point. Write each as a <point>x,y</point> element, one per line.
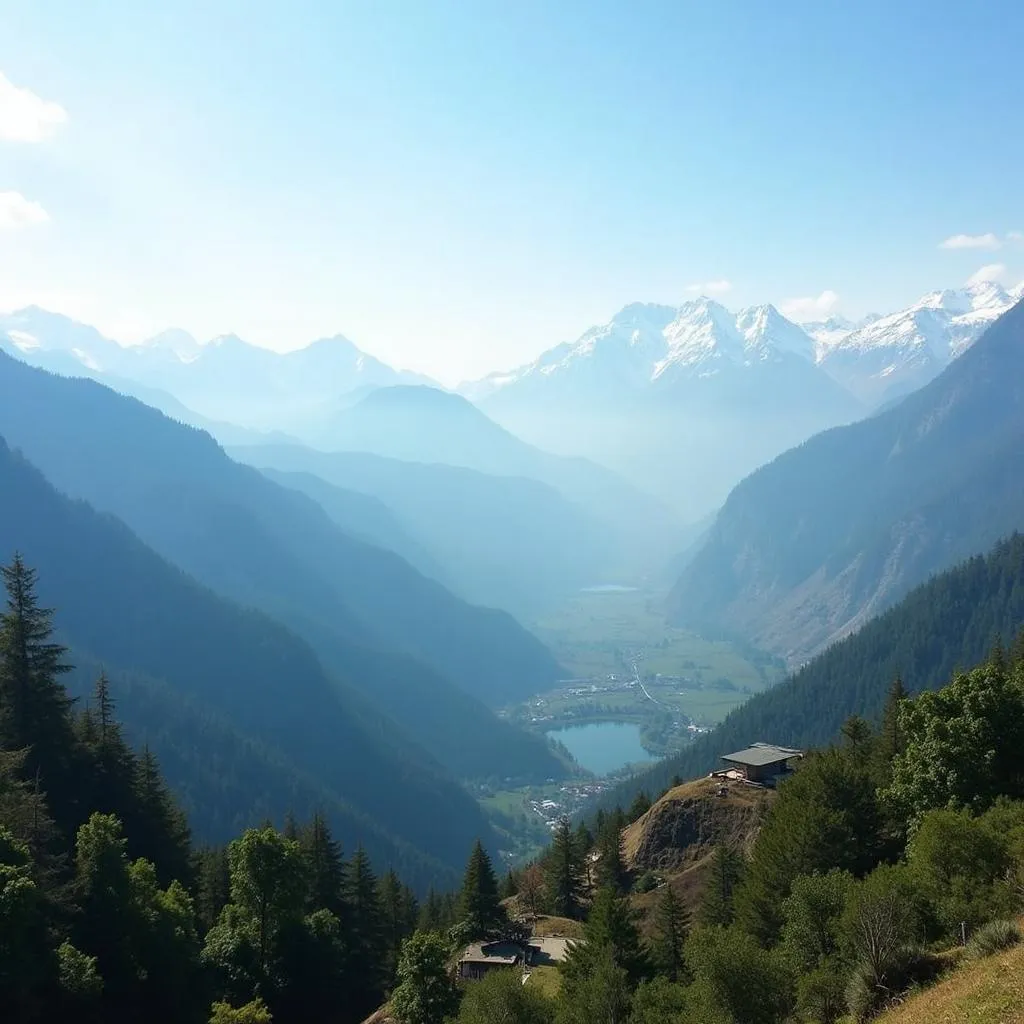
<point>18,212</point>
<point>719,287</point>
<point>24,116</point>
<point>1015,236</point>
<point>991,272</point>
<point>986,241</point>
<point>811,307</point>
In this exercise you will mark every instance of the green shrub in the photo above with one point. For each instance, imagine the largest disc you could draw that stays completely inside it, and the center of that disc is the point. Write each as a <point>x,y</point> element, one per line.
<point>992,937</point>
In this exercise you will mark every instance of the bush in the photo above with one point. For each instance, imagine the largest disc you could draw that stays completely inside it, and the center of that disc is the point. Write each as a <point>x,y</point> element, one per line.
<point>993,937</point>
<point>647,882</point>
<point>908,968</point>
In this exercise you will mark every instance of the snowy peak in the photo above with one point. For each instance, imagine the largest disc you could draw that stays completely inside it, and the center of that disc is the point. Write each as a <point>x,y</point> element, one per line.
<point>765,330</point>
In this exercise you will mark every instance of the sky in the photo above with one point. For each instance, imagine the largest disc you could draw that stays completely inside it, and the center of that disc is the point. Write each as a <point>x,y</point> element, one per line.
<point>457,186</point>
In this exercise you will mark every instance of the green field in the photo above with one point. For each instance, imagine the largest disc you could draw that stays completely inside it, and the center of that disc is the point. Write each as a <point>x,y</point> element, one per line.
<point>598,635</point>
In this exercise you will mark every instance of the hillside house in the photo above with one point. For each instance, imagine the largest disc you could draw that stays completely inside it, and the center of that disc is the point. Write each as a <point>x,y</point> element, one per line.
<point>482,957</point>
<point>760,763</point>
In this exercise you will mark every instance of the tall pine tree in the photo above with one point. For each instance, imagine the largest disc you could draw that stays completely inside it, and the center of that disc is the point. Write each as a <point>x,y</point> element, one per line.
<point>35,710</point>
<point>479,906</point>
<point>563,872</point>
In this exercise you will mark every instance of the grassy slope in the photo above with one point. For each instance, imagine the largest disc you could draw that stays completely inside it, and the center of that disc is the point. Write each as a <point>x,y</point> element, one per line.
<point>988,991</point>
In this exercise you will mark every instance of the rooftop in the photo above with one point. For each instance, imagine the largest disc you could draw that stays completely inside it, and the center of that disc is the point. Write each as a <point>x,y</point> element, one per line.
<point>758,754</point>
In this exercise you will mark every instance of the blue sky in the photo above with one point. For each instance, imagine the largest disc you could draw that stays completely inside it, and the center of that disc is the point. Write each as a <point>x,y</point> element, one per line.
<point>457,186</point>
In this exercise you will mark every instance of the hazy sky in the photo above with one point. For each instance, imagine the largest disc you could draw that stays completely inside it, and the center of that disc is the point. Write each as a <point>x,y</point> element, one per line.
<point>457,186</point>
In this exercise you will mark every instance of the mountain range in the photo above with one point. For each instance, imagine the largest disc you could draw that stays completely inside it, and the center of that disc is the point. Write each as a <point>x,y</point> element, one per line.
<point>415,650</point>
<point>687,400</point>
<point>827,535</point>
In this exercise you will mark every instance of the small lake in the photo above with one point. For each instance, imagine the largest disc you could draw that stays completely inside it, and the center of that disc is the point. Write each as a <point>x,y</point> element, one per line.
<point>608,588</point>
<point>603,747</point>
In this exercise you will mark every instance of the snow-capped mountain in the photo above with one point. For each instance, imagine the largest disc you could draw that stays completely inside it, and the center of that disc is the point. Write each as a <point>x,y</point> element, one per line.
<point>223,379</point>
<point>893,355</point>
<point>684,400</point>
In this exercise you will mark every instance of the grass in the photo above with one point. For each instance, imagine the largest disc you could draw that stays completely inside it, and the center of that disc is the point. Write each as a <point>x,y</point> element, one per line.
<point>547,979</point>
<point>563,926</point>
<point>986,991</point>
<point>599,634</point>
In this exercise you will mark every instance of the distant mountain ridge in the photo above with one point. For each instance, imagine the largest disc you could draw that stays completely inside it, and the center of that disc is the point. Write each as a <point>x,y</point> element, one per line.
<point>830,533</point>
<point>224,379</point>
<point>428,658</point>
<point>687,400</point>
<point>242,715</point>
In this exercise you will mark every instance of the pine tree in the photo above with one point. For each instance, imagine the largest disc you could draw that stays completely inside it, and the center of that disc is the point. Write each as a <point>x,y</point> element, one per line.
<point>326,869</point>
<point>724,873</point>
<point>365,931</point>
<point>394,908</point>
<point>35,710</point>
<point>610,868</point>
<point>640,806</point>
<point>479,906</point>
<point>432,913</point>
<point>159,829</point>
<point>564,872</point>
<point>671,925</point>
<point>213,889</point>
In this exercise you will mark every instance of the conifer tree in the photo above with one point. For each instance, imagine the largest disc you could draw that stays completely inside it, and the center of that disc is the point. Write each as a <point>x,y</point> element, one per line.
<point>160,830</point>
<point>479,906</point>
<point>432,913</point>
<point>724,873</point>
<point>564,872</point>
<point>35,710</point>
<point>213,888</point>
<point>325,867</point>
<point>671,925</point>
<point>366,933</point>
<point>610,868</point>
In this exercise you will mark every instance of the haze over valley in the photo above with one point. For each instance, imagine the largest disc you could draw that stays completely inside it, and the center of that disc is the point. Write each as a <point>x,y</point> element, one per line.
<point>511,513</point>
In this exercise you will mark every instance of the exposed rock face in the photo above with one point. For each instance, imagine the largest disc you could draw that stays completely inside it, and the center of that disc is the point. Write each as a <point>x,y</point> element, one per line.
<point>687,823</point>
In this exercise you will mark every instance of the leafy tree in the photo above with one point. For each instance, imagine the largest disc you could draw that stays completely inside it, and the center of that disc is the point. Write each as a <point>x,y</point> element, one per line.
<point>959,865</point>
<point>479,906</point>
<point>963,744</point>
<point>255,1012</point>
<point>882,917</point>
<point>660,1001</point>
<point>671,926</point>
<point>603,995</point>
<point>532,889</point>
<point>26,962</point>
<point>564,872</point>
<point>736,978</point>
<point>826,816</point>
<point>425,993</point>
<point>724,873</point>
<point>500,997</point>
<point>813,913</point>
<point>267,884</point>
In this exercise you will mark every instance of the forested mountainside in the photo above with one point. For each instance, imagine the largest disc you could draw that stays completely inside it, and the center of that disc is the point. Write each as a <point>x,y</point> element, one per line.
<point>830,533</point>
<point>268,546</point>
<point>109,913</point>
<point>504,542</point>
<point>240,709</point>
<point>948,623</point>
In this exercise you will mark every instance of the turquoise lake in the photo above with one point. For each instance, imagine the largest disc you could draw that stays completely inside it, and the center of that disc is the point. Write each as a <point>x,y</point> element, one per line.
<point>603,747</point>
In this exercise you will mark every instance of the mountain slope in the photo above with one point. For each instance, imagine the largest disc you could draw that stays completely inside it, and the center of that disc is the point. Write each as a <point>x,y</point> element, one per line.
<point>424,424</point>
<point>951,622</point>
<point>214,686</point>
<point>813,544</point>
<point>894,355</point>
<point>506,542</point>
<point>270,547</point>
<point>682,400</point>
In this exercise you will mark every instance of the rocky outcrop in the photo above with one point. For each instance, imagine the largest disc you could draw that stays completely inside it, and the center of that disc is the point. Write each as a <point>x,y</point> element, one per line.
<point>687,823</point>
